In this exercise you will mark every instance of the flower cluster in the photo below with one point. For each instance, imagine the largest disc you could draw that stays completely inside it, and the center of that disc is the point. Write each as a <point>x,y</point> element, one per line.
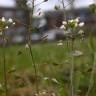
<point>73,23</point>
<point>5,24</point>
<point>72,27</point>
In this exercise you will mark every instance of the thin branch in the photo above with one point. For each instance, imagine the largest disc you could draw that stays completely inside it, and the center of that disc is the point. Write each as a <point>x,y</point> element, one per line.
<point>69,4</point>
<point>17,20</point>
<point>64,10</point>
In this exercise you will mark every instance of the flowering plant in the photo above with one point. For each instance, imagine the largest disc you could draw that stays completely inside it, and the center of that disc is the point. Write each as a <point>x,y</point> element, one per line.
<point>5,24</point>
<point>71,26</point>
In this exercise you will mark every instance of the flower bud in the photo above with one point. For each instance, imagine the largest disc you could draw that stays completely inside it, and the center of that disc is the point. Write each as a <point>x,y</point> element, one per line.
<point>3,19</point>
<point>81,24</point>
<point>10,20</point>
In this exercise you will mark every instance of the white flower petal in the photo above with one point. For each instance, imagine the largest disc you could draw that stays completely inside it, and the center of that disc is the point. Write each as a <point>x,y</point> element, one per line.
<point>77,53</point>
<point>6,27</point>
<point>10,20</point>
<point>14,23</point>
<point>80,32</point>
<point>55,80</point>
<point>62,27</point>
<point>3,19</point>
<point>26,46</point>
<point>60,44</point>
<point>64,22</point>
<point>45,78</point>
<point>1,33</point>
<point>81,24</point>
<point>70,21</point>
<point>77,19</point>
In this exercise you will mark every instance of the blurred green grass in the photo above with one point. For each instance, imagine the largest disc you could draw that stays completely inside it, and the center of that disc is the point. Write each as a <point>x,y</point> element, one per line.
<point>46,53</point>
<point>51,60</point>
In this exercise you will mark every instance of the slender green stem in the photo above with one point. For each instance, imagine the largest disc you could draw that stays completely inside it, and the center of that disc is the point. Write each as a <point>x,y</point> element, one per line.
<point>72,71</point>
<point>71,77</point>
<point>4,68</point>
<point>29,44</point>
<point>4,65</point>
<point>35,68</point>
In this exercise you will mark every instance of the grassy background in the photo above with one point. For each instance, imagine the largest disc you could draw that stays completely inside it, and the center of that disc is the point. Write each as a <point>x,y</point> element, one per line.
<point>51,60</point>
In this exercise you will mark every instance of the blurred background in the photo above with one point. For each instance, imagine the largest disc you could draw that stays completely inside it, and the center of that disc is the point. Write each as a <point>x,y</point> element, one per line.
<point>48,17</point>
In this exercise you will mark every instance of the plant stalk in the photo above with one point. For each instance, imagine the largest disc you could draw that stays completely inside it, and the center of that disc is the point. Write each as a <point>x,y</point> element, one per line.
<point>29,44</point>
<point>72,70</point>
<point>4,65</point>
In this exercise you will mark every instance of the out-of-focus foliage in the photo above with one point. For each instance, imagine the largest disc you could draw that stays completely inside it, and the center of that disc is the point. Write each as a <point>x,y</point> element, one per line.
<point>93,8</point>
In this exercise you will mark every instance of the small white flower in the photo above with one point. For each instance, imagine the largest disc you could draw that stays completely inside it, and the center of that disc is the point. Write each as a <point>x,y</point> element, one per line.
<point>6,27</point>
<point>81,24</point>
<point>77,19</point>
<point>60,44</point>
<point>45,78</point>
<point>76,24</point>
<point>10,20</point>
<point>64,22</point>
<point>77,53</point>
<point>80,32</point>
<point>1,33</point>
<point>3,19</point>
<point>44,93</point>
<point>55,80</point>
<point>26,46</point>
<point>14,23</point>
<point>70,21</point>
<point>62,27</point>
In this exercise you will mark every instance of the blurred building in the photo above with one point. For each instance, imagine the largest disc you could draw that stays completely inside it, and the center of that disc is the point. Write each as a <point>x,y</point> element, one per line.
<point>45,24</point>
<point>19,16</point>
<point>55,18</point>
